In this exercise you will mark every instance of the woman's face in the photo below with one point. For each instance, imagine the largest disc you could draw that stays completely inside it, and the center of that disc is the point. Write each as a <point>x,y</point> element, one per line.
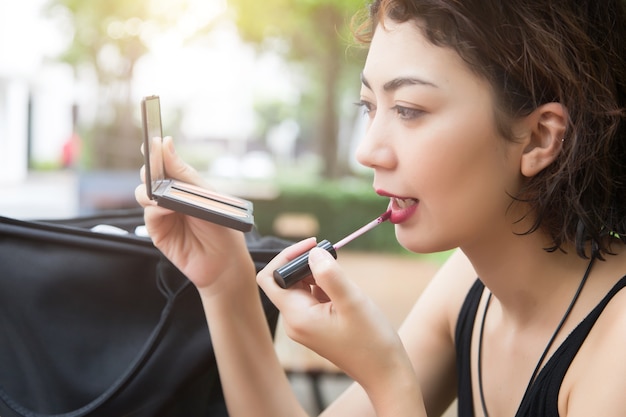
<point>433,143</point>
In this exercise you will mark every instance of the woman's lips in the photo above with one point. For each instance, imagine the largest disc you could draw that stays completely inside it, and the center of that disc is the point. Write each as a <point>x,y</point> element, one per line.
<point>402,209</point>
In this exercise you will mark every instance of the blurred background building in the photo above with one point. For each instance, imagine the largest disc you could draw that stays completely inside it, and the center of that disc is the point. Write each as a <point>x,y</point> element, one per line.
<point>31,88</point>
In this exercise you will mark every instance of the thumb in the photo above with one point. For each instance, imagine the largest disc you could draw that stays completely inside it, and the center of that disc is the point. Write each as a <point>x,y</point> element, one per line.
<point>329,277</point>
<point>175,167</point>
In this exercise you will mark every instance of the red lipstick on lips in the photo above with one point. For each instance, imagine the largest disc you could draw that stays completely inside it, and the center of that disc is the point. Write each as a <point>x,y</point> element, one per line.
<point>399,214</point>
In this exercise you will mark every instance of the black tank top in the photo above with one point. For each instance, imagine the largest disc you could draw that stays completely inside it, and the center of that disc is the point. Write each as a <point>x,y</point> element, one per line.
<point>542,397</point>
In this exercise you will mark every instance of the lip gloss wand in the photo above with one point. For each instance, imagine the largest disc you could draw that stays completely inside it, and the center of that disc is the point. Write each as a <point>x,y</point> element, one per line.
<point>298,269</point>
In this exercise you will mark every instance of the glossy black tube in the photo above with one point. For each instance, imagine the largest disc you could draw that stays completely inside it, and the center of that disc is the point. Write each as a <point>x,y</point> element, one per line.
<point>298,269</point>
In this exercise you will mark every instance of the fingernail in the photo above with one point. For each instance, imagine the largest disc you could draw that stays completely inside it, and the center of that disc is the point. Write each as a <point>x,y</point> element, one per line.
<point>317,255</point>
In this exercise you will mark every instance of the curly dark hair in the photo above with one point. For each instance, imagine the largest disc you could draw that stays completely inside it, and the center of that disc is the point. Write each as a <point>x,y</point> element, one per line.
<point>534,52</point>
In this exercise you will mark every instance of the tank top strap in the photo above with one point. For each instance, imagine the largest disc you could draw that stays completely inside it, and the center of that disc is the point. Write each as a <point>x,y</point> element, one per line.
<point>463,342</point>
<point>542,398</point>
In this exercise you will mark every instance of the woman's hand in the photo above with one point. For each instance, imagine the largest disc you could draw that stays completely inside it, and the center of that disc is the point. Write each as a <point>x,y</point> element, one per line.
<point>333,317</point>
<point>203,251</point>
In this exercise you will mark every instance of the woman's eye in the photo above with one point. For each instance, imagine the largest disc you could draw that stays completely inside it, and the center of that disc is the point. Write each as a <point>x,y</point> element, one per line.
<point>367,108</point>
<point>407,113</point>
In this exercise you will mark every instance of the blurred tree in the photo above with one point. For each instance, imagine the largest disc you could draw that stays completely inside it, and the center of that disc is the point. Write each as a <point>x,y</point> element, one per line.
<point>315,33</point>
<point>108,38</point>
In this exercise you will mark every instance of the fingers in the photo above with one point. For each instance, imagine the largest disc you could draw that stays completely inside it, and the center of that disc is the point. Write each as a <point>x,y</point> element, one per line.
<point>265,277</point>
<point>328,283</point>
<point>282,258</point>
<point>329,277</point>
<point>175,167</point>
<point>142,196</point>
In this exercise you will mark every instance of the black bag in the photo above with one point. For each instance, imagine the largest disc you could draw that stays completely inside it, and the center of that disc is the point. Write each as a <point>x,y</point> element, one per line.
<point>95,324</point>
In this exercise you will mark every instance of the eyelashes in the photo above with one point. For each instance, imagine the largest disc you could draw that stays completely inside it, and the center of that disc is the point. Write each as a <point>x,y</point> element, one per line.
<point>402,112</point>
<point>365,107</point>
<point>407,113</point>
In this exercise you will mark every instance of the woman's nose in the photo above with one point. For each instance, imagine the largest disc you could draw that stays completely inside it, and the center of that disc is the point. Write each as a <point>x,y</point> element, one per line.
<point>375,148</point>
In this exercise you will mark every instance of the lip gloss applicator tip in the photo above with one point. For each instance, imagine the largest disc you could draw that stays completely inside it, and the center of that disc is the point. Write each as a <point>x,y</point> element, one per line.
<point>298,268</point>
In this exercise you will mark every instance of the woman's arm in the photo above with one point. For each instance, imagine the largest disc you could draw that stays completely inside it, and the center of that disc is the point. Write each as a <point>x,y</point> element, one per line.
<point>428,332</point>
<point>252,377</point>
<point>333,317</point>
<point>217,261</point>
<point>428,336</point>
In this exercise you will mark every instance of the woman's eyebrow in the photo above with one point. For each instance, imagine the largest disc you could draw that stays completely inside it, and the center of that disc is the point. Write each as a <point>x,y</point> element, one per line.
<point>398,82</point>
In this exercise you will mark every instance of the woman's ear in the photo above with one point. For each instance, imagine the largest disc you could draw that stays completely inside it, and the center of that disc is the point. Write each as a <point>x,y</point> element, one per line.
<point>544,134</point>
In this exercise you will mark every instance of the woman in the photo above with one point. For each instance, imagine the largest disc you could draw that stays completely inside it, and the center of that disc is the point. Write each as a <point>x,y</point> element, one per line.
<point>496,127</point>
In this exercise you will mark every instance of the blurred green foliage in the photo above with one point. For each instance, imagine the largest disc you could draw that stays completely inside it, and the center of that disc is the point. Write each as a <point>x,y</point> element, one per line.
<point>340,208</point>
<point>316,34</point>
<point>109,37</point>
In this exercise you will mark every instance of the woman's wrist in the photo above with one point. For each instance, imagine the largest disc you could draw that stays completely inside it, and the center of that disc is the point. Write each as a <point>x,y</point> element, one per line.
<point>231,281</point>
<point>395,391</point>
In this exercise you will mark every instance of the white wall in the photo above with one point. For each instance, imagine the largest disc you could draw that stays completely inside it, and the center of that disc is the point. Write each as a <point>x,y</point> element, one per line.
<point>13,131</point>
<point>26,38</point>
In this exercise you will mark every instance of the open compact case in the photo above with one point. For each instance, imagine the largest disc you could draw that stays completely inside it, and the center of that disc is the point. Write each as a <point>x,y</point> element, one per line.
<point>222,209</point>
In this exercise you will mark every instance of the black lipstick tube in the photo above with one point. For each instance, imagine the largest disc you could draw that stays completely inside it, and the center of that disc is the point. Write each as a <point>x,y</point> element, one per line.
<point>298,269</point>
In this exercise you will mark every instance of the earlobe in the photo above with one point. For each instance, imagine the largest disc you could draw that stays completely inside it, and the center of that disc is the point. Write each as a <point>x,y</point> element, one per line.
<point>546,128</point>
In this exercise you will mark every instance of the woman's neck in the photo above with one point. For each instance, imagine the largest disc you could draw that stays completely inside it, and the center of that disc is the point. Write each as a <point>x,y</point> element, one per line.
<point>523,276</point>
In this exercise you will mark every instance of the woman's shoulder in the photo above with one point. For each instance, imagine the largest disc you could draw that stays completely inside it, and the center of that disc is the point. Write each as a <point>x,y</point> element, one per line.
<point>445,293</point>
<point>452,283</point>
<point>428,331</point>
<point>596,379</point>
